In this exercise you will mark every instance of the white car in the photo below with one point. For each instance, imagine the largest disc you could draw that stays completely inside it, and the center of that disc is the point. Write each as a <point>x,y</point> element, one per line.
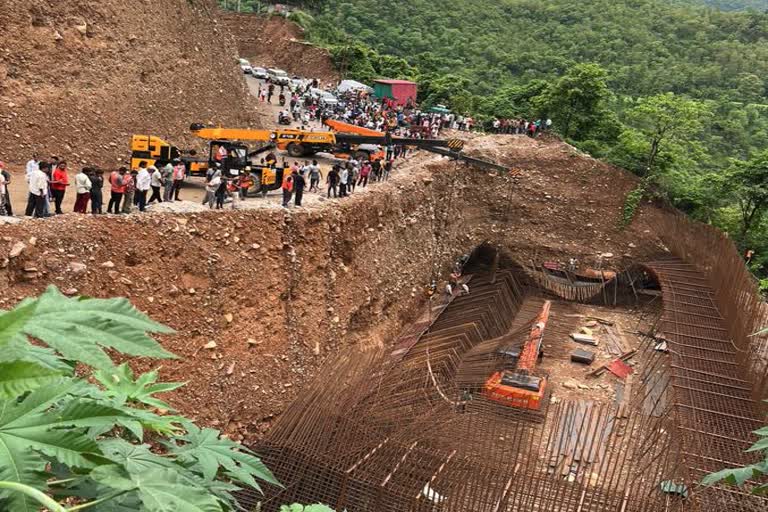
<point>324,97</point>
<point>246,66</point>
<point>260,73</point>
<point>278,76</point>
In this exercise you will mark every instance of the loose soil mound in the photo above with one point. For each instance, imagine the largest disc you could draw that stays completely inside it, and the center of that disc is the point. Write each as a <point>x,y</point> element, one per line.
<point>78,77</point>
<point>274,41</point>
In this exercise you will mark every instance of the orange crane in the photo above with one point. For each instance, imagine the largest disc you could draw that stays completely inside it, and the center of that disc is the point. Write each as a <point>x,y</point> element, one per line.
<point>520,388</point>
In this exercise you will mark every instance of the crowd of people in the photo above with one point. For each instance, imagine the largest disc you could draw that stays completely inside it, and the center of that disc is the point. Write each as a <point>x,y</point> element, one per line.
<point>48,183</point>
<point>521,126</point>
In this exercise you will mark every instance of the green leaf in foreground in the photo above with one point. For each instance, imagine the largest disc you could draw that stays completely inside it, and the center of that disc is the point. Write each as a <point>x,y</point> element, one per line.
<point>80,329</point>
<point>18,377</point>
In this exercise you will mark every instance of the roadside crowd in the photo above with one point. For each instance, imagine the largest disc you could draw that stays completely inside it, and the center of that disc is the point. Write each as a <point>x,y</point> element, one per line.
<point>340,181</point>
<point>48,182</point>
<point>521,126</point>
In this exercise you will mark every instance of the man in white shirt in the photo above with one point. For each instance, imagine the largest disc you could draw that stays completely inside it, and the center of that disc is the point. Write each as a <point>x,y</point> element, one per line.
<point>155,181</point>
<point>83,188</point>
<point>38,191</point>
<point>32,166</point>
<point>143,182</point>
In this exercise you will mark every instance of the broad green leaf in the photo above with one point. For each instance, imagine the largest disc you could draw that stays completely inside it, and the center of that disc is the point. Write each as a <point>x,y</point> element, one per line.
<point>20,349</point>
<point>81,329</point>
<point>209,452</point>
<point>119,383</point>
<point>21,465</point>
<point>733,476</point>
<point>48,421</point>
<point>760,445</point>
<point>113,476</point>
<point>18,377</point>
<point>134,458</point>
<point>161,490</point>
<point>12,322</point>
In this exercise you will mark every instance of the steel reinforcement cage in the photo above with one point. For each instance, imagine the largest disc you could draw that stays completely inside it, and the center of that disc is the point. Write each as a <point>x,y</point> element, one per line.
<point>404,429</point>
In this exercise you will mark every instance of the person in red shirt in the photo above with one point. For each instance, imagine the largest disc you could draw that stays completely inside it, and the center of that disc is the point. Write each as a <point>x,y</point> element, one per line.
<point>59,184</point>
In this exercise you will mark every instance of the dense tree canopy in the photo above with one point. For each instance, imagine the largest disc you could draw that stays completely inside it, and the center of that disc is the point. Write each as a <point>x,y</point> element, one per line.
<point>672,90</point>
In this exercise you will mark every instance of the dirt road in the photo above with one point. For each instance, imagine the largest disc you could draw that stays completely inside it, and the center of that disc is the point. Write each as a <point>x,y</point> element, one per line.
<point>194,188</point>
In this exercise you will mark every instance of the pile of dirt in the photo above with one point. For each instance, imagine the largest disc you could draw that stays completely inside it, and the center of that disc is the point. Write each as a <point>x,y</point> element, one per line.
<point>273,41</point>
<point>260,298</point>
<point>78,77</point>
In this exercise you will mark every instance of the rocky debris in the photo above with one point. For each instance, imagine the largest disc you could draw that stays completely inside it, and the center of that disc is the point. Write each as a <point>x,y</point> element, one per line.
<point>210,345</point>
<point>111,77</point>
<point>77,268</point>
<point>17,249</point>
<point>108,264</point>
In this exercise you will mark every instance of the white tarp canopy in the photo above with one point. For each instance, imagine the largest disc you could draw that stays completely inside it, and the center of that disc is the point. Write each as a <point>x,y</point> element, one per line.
<point>352,85</point>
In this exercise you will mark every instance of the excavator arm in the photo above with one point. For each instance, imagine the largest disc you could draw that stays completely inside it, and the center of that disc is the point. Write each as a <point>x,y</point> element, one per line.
<point>450,148</point>
<point>231,133</point>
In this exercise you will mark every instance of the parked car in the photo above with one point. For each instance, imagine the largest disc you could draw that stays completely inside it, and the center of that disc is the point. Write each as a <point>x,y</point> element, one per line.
<point>278,76</point>
<point>328,100</point>
<point>260,73</point>
<point>297,81</point>
<point>245,66</point>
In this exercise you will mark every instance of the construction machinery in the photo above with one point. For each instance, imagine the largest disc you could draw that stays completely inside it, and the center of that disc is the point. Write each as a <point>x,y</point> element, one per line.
<point>342,140</point>
<point>522,388</point>
<point>154,150</point>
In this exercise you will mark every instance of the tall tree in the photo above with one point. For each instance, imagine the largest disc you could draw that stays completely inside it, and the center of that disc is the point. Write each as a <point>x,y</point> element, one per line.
<point>663,119</point>
<point>576,100</point>
<point>748,181</point>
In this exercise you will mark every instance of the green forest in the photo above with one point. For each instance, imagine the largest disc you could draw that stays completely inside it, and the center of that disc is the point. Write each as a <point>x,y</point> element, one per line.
<point>671,90</point>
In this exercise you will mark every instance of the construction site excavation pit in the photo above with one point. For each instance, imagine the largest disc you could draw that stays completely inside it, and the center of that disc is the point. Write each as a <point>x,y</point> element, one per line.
<point>420,424</point>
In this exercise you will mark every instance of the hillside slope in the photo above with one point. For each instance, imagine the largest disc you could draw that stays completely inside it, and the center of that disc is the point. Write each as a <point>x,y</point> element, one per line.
<point>77,77</point>
<point>300,284</point>
<point>274,41</point>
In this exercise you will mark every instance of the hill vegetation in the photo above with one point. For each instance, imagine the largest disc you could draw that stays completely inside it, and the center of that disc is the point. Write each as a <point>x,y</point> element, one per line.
<point>673,92</point>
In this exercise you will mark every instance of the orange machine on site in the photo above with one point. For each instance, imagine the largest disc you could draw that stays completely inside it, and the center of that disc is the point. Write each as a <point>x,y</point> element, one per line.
<point>520,387</point>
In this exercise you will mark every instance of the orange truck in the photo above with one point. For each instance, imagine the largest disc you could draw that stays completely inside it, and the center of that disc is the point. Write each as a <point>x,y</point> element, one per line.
<point>520,388</point>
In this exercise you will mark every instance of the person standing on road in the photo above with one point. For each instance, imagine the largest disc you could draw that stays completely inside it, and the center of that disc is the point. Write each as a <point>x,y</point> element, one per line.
<point>270,92</point>
<point>221,193</point>
<point>59,185</point>
<point>167,179</point>
<point>38,190</point>
<point>117,189</point>
<point>365,171</point>
<point>179,173</point>
<point>32,165</point>
<point>343,180</point>
<point>6,195</point>
<point>97,183</point>
<point>314,176</point>
<point>211,187</point>
<point>352,177</point>
<point>155,182</point>
<point>387,170</point>
<point>83,189</point>
<point>130,190</point>
<point>143,184</point>
<point>287,186</point>
<point>298,186</point>
<point>332,180</point>
<point>3,188</point>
